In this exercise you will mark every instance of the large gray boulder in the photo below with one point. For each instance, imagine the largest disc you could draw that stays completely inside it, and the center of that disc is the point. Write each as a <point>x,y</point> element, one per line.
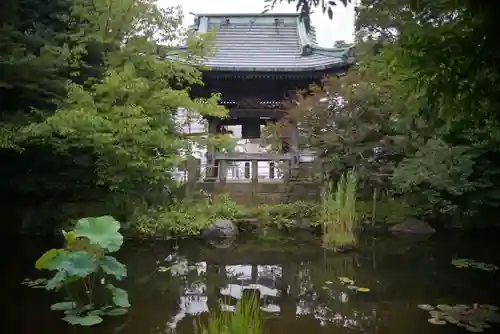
<point>413,226</point>
<point>221,228</point>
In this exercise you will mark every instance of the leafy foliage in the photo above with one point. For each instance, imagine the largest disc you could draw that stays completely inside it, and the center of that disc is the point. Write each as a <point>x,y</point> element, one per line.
<point>82,263</point>
<point>90,102</point>
<point>428,73</point>
<point>247,318</point>
<point>338,215</point>
<point>305,7</point>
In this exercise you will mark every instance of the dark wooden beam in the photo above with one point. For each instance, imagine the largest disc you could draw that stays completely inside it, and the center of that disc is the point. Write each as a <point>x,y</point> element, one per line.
<point>274,114</point>
<point>240,156</point>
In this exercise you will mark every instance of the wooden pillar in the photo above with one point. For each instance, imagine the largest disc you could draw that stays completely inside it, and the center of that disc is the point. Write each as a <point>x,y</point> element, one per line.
<point>287,169</point>
<point>247,170</point>
<point>222,171</point>
<point>293,140</point>
<point>255,171</point>
<point>271,169</point>
<point>255,180</point>
<point>294,143</point>
<point>211,170</point>
<point>192,166</point>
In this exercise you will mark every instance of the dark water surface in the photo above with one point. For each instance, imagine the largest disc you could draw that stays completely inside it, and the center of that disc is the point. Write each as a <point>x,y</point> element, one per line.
<point>298,282</point>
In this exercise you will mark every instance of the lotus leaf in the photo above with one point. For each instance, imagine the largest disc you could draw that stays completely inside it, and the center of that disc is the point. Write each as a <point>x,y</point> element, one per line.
<point>461,307</point>
<point>102,231</point>
<point>435,314</point>
<point>426,307</point>
<point>116,312</point>
<point>35,284</point>
<point>111,266</point>
<point>473,319</point>
<point>88,320</point>
<point>467,263</point>
<point>49,259</point>
<point>71,264</point>
<point>489,307</point>
<point>474,329</point>
<point>436,321</point>
<point>451,319</point>
<point>481,324</point>
<point>63,306</point>
<point>444,307</point>
<point>346,280</point>
<point>57,281</point>
<point>83,256</point>
<point>120,296</point>
<point>460,263</point>
<point>163,269</point>
<point>79,264</point>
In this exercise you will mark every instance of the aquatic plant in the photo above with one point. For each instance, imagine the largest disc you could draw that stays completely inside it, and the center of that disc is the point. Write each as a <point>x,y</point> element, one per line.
<point>246,319</point>
<point>474,318</point>
<point>338,215</point>
<point>81,267</point>
<point>468,263</point>
<point>351,285</point>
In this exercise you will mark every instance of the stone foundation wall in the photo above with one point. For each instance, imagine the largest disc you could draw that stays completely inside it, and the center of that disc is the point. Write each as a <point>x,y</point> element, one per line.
<point>264,193</point>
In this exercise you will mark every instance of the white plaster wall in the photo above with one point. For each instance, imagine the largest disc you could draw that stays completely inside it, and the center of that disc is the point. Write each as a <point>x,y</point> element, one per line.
<point>197,125</point>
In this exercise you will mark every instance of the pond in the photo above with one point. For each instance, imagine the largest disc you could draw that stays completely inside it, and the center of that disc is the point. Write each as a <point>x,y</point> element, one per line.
<point>299,285</point>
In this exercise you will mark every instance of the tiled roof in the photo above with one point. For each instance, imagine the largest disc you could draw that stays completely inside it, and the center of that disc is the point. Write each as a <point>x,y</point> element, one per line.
<point>265,43</point>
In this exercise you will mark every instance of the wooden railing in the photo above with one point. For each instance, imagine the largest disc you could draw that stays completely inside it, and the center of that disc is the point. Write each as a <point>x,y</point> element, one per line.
<point>250,168</point>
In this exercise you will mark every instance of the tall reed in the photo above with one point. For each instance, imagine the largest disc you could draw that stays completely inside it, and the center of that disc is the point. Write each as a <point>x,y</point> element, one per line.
<point>246,319</point>
<point>338,215</point>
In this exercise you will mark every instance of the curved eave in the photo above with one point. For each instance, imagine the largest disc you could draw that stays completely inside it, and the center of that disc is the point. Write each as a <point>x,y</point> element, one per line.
<point>176,51</point>
<point>321,68</point>
<point>336,64</point>
<point>308,45</point>
<point>345,53</point>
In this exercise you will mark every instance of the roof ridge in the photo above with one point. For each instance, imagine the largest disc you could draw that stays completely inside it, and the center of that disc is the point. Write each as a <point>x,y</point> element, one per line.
<point>244,14</point>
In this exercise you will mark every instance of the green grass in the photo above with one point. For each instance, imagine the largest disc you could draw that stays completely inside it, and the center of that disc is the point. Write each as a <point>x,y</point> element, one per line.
<point>246,319</point>
<point>338,216</point>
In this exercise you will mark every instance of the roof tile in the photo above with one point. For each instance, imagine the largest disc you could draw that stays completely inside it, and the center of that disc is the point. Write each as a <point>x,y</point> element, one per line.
<point>261,43</point>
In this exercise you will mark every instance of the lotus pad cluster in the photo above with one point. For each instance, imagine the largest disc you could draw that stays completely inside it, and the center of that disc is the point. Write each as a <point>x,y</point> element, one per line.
<point>474,318</point>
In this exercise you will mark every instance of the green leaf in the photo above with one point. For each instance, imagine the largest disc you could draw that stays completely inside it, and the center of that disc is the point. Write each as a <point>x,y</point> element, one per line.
<point>120,296</point>
<point>70,266</point>
<point>48,260</point>
<point>346,280</point>
<point>88,320</point>
<point>111,266</point>
<point>57,281</point>
<point>79,264</point>
<point>116,312</point>
<point>63,306</point>
<point>102,231</point>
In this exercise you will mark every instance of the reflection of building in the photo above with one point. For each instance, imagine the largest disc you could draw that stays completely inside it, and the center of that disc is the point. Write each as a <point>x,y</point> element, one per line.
<point>291,292</point>
<point>258,278</point>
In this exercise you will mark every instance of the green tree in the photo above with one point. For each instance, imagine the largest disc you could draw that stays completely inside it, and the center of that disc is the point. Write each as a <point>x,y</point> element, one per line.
<point>112,125</point>
<point>341,44</point>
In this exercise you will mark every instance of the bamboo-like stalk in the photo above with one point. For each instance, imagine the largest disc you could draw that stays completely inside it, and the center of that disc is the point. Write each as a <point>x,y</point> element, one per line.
<point>338,216</point>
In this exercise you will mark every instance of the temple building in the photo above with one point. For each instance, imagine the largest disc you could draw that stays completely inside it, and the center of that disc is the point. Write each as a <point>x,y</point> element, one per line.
<point>258,61</point>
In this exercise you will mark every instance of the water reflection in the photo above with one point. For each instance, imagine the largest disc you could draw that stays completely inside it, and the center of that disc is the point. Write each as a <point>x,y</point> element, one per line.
<point>298,286</point>
<point>310,299</point>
